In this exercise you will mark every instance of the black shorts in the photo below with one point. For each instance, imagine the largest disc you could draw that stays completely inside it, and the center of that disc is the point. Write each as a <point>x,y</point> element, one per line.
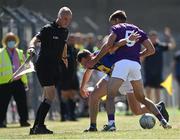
<point>153,81</point>
<point>70,83</point>
<point>47,74</point>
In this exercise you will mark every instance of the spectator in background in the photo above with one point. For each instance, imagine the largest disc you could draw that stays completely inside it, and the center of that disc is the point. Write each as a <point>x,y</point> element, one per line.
<point>153,65</point>
<point>168,38</point>
<point>99,41</point>
<point>79,41</point>
<point>69,86</point>
<point>10,60</point>
<point>90,38</point>
<point>177,72</point>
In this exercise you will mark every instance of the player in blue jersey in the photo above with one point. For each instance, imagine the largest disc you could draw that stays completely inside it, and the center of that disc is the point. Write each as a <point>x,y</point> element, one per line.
<point>106,65</point>
<point>127,66</point>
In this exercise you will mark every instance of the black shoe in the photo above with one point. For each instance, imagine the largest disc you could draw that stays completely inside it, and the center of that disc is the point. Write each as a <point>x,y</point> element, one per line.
<point>73,119</point>
<point>2,126</point>
<point>63,120</point>
<point>161,107</point>
<point>91,129</point>
<point>25,124</point>
<point>40,129</point>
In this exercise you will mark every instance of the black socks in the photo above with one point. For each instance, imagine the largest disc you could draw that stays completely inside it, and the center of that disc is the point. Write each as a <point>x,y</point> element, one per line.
<point>42,112</point>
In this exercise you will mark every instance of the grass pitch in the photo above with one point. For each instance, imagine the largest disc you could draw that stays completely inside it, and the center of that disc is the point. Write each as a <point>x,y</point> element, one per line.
<point>127,128</point>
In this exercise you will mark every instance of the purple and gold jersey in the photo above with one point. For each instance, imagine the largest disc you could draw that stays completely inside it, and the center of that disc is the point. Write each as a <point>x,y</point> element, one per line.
<point>130,51</point>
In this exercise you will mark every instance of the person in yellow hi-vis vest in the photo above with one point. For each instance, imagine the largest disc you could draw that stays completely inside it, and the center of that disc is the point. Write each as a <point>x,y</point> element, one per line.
<point>10,60</point>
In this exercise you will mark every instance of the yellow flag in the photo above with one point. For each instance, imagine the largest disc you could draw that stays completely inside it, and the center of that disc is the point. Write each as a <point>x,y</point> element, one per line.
<point>167,84</point>
<point>104,98</point>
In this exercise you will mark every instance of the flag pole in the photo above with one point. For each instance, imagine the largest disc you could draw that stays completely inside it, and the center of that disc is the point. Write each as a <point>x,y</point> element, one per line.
<point>173,95</point>
<point>20,68</point>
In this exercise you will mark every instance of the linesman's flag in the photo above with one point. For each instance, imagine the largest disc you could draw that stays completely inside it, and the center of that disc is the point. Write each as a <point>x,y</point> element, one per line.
<point>167,84</point>
<point>104,98</point>
<point>27,68</point>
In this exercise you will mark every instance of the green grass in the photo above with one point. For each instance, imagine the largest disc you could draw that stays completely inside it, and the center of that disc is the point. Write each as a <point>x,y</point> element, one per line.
<point>128,128</point>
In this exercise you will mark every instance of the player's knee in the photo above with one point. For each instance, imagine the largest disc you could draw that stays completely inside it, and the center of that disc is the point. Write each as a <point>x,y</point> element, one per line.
<point>93,98</point>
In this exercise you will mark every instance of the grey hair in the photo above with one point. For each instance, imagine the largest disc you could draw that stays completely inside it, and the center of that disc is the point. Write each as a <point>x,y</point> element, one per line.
<point>64,10</point>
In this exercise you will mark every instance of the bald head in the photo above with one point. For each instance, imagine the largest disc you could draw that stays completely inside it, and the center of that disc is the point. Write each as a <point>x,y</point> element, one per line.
<point>64,11</point>
<point>64,17</point>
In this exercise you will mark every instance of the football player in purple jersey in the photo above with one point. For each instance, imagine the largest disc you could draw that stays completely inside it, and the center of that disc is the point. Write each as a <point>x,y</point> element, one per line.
<point>105,65</point>
<point>127,66</point>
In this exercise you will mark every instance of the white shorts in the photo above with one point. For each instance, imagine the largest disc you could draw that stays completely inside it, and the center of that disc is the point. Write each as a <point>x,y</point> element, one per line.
<point>127,70</point>
<point>126,87</point>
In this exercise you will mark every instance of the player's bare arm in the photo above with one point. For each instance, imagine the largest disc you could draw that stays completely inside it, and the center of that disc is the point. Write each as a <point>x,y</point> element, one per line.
<point>105,48</point>
<point>133,37</point>
<point>149,49</point>
<point>85,79</point>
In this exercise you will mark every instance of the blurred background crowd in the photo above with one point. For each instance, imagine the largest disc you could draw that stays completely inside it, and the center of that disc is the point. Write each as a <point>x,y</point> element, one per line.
<point>88,29</point>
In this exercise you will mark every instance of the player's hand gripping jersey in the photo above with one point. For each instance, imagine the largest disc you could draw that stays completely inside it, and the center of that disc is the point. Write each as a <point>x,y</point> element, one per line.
<point>105,64</point>
<point>131,50</point>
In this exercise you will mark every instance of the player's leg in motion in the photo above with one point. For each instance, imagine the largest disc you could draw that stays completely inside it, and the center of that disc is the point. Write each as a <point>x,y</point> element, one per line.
<point>100,90</point>
<point>113,87</point>
<point>139,94</point>
<point>118,76</point>
<point>137,108</point>
<point>39,127</point>
<point>135,105</point>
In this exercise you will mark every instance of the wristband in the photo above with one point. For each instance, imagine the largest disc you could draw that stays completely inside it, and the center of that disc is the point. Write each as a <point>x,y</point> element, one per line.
<point>129,41</point>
